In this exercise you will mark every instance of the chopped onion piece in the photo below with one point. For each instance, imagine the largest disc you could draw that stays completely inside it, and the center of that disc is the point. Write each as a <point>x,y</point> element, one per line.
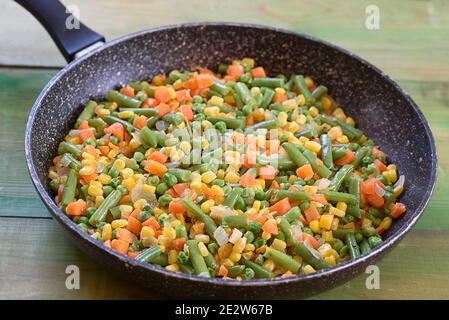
<point>221,236</point>
<point>218,212</point>
<point>235,235</point>
<point>322,184</point>
<point>297,232</point>
<point>379,190</point>
<point>138,193</point>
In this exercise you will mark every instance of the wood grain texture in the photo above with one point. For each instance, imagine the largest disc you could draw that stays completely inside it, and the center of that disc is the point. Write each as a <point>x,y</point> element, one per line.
<point>33,266</point>
<point>411,43</point>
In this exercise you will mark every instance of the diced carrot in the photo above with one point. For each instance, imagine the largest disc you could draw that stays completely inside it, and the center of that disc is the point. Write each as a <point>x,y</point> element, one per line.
<point>270,226</point>
<point>249,120</point>
<point>180,188</point>
<point>375,200</point>
<point>380,165</point>
<point>397,210</point>
<point>120,246</point>
<point>117,130</point>
<point>134,225</point>
<point>156,168</point>
<point>247,180</point>
<point>191,84</point>
<point>139,122</point>
<point>186,110</point>
<point>90,150</point>
<point>312,213</point>
<point>158,156</point>
<point>267,172</point>
<point>369,186</point>
<point>150,103</point>
<point>198,227</point>
<point>124,234</point>
<point>281,207</point>
<point>128,91</point>
<point>126,150</point>
<point>135,213</point>
<point>349,225</point>
<point>311,240</point>
<point>163,109</point>
<point>376,152</point>
<point>305,172</point>
<point>227,78</point>
<point>90,177</point>
<point>171,192</point>
<point>178,244</point>
<point>161,94</point>
<point>152,222</point>
<point>125,199</point>
<point>183,95</point>
<point>279,97</point>
<point>176,207</point>
<point>222,271</point>
<point>133,254</point>
<point>319,197</point>
<point>258,72</point>
<point>207,192</point>
<point>76,208</point>
<point>204,81</point>
<point>235,70</point>
<point>274,185</point>
<point>104,150</point>
<point>86,132</point>
<point>303,220</point>
<point>348,158</point>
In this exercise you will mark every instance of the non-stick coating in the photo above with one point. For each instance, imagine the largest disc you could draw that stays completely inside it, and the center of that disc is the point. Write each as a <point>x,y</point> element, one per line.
<point>384,112</point>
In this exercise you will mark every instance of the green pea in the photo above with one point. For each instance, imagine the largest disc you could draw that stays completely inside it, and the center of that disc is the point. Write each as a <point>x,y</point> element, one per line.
<point>367,160</point>
<point>218,182</point>
<point>170,179</point>
<point>249,236</point>
<point>247,274</point>
<point>240,204</point>
<point>248,193</point>
<point>114,140</point>
<point>368,232</point>
<point>220,126</point>
<point>343,251</point>
<point>143,216</point>
<point>197,99</point>
<point>259,242</point>
<point>138,156</point>
<point>165,199</point>
<point>113,172</point>
<point>383,179</point>
<point>132,164</point>
<point>255,227</point>
<point>374,241</point>
<point>358,237</point>
<point>153,180</point>
<point>107,190</point>
<point>90,211</point>
<point>161,188</point>
<point>337,244</point>
<point>259,195</point>
<point>200,117</point>
<point>247,110</point>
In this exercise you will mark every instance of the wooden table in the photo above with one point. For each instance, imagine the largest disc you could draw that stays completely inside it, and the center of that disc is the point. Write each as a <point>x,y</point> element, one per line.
<point>411,46</point>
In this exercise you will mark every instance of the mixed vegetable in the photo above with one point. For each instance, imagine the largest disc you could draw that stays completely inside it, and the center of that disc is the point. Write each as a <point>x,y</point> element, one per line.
<point>231,174</point>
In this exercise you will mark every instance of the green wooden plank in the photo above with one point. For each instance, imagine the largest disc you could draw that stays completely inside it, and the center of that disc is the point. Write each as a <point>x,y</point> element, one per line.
<point>32,266</point>
<point>410,44</point>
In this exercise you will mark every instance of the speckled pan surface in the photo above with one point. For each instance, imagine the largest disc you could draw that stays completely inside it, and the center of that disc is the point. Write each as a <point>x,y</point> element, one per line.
<point>381,108</point>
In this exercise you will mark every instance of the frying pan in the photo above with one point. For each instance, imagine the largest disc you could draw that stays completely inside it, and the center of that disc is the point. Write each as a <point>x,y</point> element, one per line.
<point>381,108</point>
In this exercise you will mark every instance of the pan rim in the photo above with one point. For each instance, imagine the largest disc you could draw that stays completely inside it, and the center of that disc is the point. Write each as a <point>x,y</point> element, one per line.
<point>375,254</point>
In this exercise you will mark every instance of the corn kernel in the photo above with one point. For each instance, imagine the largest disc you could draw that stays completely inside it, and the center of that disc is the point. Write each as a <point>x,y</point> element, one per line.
<point>330,260</point>
<point>104,178</point>
<point>211,111</point>
<point>129,184</point>
<point>172,257</point>
<point>248,255</point>
<point>335,132</point>
<point>202,238</point>
<point>127,173</point>
<point>106,232</point>
<point>342,139</point>
<point>249,247</point>
<point>326,221</point>
<point>301,119</point>
<point>227,262</point>
<point>169,232</point>
<point>397,191</point>
<point>140,203</point>
<point>327,236</point>
<point>119,164</point>
<point>309,269</point>
<point>279,245</point>
<point>98,201</point>
<point>235,256</point>
<point>310,189</point>
<point>325,250</point>
<point>148,188</point>
<point>386,223</point>
<point>225,250</point>
<point>337,212</point>
<point>232,177</point>
<point>146,232</point>
<point>208,176</point>
<point>185,146</point>
<point>203,249</point>
<point>391,175</point>
<point>313,112</point>
<point>313,146</point>
<point>315,226</point>
<point>342,206</point>
<point>239,245</point>
<point>172,267</point>
<point>206,205</point>
<point>303,139</point>
<point>216,101</point>
<point>94,190</point>
<point>266,235</point>
<point>269,265</point>
<point>392,167</point>
<point>366,223</point>
<point>119,223</point>
<point>282,117</point>
<point>335,223</point>
<point>87,170</point>
<point>125,114</point>
<point>350,121</point>
<point>327,103</point>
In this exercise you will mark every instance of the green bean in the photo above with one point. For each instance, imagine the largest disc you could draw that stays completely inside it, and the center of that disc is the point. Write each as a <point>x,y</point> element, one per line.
<point>295,155</point>
<point>151,122</point>
<point>211,262</point>
<point>340,233</point>
<point>68,193</point>
<point>232,197</point>
<point>316,262</point>
<point>354,189</point>
<point>185,268</point>
<point>326,151</point>
<point>267,124</point>
<point>87,113</point>
<point>244,93</point>
<point>181,232</point>
<point>148,136</point>
<point>322,170</point>
<point>268,82</point>
<point>364,247</point>
<point>339,153</point>
<point>71,161</point>
<point>160,260</point>
<point>193,208</point>
<point>267,97</point>
<point>353,247</point>
<point>359,155</point>
<point>147,254</point>
<point>292,195</point>
<point>301,85</point>
<point>340,197</point>
<point>260,271</point>
<point>238,101</point>
<point>281,164</point>
<point>136,85</point>
<point>122,100</point>
<point>97,123</point>
<point>282,259</point>
<point>348,130</point>
<point>147,112</point>
<point>319,92</point>
<point>235,221</point>
<point>308,133</point>
<point>231,123</point>
<point>148,89</point>
<point>198,263</point>
<point>287,230</point>
<point>182,175</point>
<point>220,88</point>
<point>292,215</point>
<point>66,147</point>
<point>235,271</point>
<point>111,119</point>
<point>340,176</point>
<point>111,201</point>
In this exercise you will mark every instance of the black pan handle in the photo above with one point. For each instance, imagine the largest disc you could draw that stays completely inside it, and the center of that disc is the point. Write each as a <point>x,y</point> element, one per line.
<point>70,37</point>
